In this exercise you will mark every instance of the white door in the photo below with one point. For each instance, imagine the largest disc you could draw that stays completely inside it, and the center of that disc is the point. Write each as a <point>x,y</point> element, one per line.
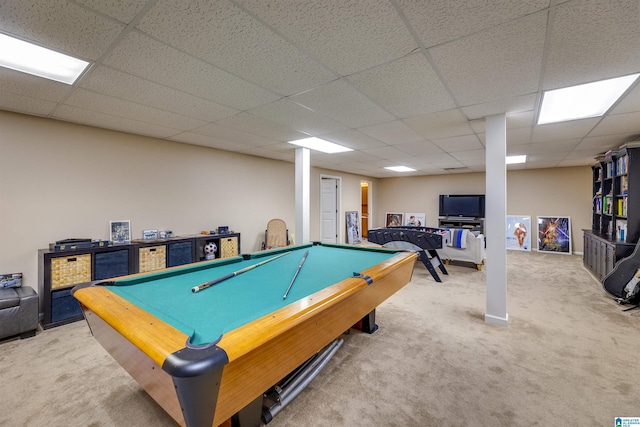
<point>329,210</point>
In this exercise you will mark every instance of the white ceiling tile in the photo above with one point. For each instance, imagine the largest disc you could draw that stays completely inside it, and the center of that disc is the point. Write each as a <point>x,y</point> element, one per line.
<point>260,126</point>
<point>490,65</point>
<point>252,74</point>
<point>564,146</point>
<point>142,56</point>
<point>231,39</point>
<point>437,21</point>
<point>100,103</point>
<point>518,150</point>
<point>386,152</point>
<point>509,106</point>
<point>25,104</point>
<point>459,143</point>
<point>520,120</point>
<point>395,132</point>
<point>298,117</point>
<point>266,151</point>
<point>406,87</point>
<point>353,139</point>
<point>629,103</point>
<point>346,36</point>
<point>518,136</point>
<point>229,134</point>
<point>341,102</point>
<point>564,130</point>
<point>122,10</point>
<point>589,33</point>
<point>470,155</point>
<point>108,121</point>
<point>210,141</point>
<point>106,80</point>
<point>32,86</point>
<point>438,125</point>
<point>419,148</point>
<point>618,123</point>
<point>60,25</point>
<point>601,144</point>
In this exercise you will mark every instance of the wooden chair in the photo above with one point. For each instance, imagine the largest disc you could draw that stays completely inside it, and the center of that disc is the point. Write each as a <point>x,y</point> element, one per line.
<point>276,235</point>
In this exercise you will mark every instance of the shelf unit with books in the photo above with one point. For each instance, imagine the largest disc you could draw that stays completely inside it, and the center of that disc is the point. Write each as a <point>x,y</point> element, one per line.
<point>615,226</point>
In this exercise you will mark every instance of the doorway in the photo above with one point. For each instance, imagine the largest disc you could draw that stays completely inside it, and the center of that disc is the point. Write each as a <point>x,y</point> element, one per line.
<point>365,207</point>
<point>329,208</point>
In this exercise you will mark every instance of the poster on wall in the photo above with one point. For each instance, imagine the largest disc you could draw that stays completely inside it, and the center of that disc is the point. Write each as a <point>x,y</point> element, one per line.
<point>518,236</point>
<point>353,230</point>
<point>554,234</point>
<point>414,219</point>
<point>394,219</point>
<point>120,231</point>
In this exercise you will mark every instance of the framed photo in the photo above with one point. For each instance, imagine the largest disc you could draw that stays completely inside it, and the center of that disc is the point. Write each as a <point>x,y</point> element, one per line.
<point>120,231</point>
<point>518,232</point>
<point>394,219</point>
<point>353,229</point>
<point>554,234</point>
<point>414,219</point>
<point>149,234</point>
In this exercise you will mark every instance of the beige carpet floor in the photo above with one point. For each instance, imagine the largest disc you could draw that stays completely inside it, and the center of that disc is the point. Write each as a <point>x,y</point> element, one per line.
<point>569,356</point>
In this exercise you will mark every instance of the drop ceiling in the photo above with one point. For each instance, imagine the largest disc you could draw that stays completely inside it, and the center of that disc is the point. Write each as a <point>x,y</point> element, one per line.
<point>401,82</point>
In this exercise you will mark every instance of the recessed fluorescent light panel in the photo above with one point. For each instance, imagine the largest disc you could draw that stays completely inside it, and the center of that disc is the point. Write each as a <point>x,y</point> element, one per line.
<point>42,62</point>
<point>318,144</point>
<point>583,101</point>
<point>512,160</point>
<point>400,169</point>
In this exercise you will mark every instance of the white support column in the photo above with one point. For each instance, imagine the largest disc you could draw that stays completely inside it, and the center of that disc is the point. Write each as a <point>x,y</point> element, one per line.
<point>496,214</point>
<point>303,188</point>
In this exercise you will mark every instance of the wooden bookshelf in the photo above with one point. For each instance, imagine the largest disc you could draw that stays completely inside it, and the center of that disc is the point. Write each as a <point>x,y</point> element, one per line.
<point>615,223</point>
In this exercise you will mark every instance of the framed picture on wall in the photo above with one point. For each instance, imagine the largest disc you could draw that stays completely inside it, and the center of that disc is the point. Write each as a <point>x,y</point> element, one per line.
<point>554,234</point>
<point>414,219</point>
<point>394,219</point>
<point>518,232</point>
<point>120,231</point>
<point>353,229</point>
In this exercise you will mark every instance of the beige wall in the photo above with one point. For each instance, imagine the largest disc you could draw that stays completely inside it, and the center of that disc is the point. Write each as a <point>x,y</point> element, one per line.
<point>60,180</point>
<point>536,192</point>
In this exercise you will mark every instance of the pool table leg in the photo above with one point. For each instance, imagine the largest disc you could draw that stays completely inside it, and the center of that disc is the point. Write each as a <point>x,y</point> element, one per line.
<point>250,415</point>
<point>369,322</point>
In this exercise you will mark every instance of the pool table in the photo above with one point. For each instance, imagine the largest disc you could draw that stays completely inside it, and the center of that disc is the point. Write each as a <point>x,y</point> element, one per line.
<point>208,356</point>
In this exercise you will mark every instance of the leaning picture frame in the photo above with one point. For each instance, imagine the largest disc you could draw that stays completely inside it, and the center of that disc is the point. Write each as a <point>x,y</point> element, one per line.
<point>554,234</point>
<point>394,219</point>
<point>120,231</point>
<point>415,219</point>
<point>519,232</point>
<point>353,228</point>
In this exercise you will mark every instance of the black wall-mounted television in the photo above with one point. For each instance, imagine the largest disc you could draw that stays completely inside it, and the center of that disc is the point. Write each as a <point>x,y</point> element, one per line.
<point>465,205</point>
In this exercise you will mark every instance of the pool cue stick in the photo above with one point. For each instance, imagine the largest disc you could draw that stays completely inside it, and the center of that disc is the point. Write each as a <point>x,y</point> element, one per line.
<point>235,273</point>
<point>304,257</point>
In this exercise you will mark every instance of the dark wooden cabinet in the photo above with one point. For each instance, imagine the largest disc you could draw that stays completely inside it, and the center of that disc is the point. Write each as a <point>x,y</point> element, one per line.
<point>615,215</point>
<point>60,271</point>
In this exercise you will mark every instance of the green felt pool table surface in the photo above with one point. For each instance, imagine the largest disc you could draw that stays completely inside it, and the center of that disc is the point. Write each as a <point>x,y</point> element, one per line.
<point>211,312</point>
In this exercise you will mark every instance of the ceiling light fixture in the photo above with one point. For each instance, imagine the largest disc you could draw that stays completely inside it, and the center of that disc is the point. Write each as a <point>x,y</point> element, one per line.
<point>400,169</point>
<point>318,144</point>
<point>583,101</point>
<point>511,160</point>
<point>39,61</point>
